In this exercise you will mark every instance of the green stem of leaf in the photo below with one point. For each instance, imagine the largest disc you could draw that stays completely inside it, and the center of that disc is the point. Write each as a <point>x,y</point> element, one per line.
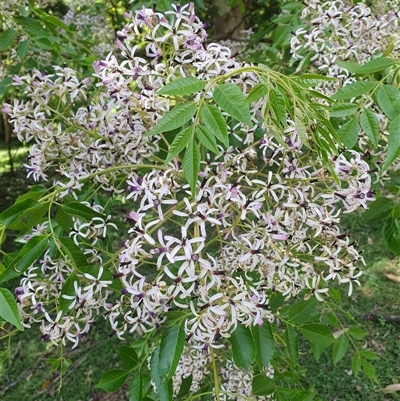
<point>215,371</point>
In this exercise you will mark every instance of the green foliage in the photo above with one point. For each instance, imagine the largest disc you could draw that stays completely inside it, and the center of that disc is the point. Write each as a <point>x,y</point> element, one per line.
<point>112,380</point>
<point>230,99</point>
<point>182,86</point>
<point>175,118</point>
<point>264,341</point>
<point>9,309</point>
<point>215,122</point>
<point>171,348</point>
<point>243,346</point>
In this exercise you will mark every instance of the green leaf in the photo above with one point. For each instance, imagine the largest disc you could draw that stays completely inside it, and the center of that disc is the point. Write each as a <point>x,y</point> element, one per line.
<point>215,122</point>
<point>27,256</point>
<point>331,319</point>
<point>393,145</point>
<point>300,312</point>
<point>369,371</point>
<point>112,380</point>
<point>391,234</point>
<point>65,364</point>
<point>258,92</point>
<point>348,65</point>
<point>303,395</point>
<point>243,347</point>
<point>356,333</point>
<point>231,99</point>
<point>53,21</point>
<point>17,211</point>
<point>339,349</point>
<point>379,209</point>
<point>317,351</point>
<point>310,80</point>
<point>182,86</point>
<point>175,118</point>
<point>356,364</point>
<point>367,354</point>
<point>67,289</point>
<point>128,357</point>
<point>264,341</point>
<point>207,138</point>
<point>7,38</point>
<point>164,389</point>
<point>318,334</point>
<point>375,65</point>
<point>75,254</point>
<point>386,97</point>
<point>370,124</point>
<point>22,48</point>
<point>185,386</point>
<point>44,43</point>
<point>277,102</point>
<point>135,392</point>
<point>292,344</point>
<point>171,348</point>
<point>154,361</point>
<point>348,133</point>
<point>9,309</point>
<point>64,220</point>
<point>301,130</point>
<point>191,165</point>
<point>4,85</point>
<point>35,193</point>
<point>354,89</point>
<point>344,109</point>
<point>262,385</point>
<point>32,27</point>
<point>179,143</point>
<point>77,209</point>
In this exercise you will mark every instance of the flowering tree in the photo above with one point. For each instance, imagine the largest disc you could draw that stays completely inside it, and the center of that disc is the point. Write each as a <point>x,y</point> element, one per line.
<point>233,178</point>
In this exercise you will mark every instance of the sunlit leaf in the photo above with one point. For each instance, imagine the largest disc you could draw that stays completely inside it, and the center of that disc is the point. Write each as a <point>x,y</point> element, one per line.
<point>207,138</point>
<point>215,122</point>
<point>370,124</point>
<point>175,118</point>
<point>191,165</point>
<point>354,89</point>
<point>231,99</point>
<point>179,143</point>
<point>348,133</point>
<point>182,86</point>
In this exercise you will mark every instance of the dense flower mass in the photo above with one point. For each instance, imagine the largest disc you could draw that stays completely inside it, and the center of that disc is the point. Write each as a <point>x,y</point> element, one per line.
<point>340,31</point>
<point>264,216</point>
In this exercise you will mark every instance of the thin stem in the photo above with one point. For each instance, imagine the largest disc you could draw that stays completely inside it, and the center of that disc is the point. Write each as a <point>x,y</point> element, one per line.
<point>216,378</point>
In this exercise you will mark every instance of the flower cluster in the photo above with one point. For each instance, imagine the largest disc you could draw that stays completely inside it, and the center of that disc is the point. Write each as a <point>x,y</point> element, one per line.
<point>264,216</point>
<point>340,31</point>
<point>235,382</point>
<point>89,23</point>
